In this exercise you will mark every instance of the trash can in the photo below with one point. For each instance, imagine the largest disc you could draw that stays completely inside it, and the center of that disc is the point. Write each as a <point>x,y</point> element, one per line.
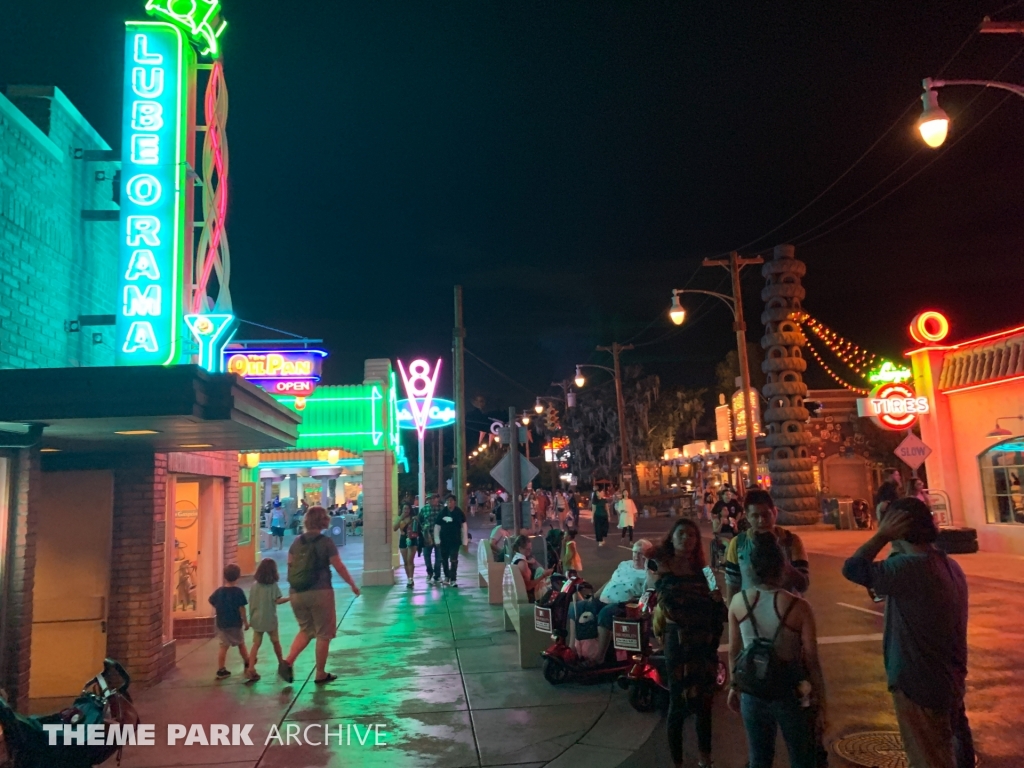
<point>845,519</point>
<point>336,530</point>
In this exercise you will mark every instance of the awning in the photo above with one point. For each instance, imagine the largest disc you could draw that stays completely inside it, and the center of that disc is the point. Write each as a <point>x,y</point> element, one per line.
<point>162,409</point>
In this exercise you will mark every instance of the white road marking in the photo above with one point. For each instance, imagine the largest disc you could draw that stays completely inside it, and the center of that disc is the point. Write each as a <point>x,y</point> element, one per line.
<point>833,640</point>
<point>862,610</point>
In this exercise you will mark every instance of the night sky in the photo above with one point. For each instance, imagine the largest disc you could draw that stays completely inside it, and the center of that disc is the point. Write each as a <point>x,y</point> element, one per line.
<point>570,162</point>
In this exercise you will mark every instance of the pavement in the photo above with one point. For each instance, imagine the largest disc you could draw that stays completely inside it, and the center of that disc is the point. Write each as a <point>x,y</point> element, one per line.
<point>435,672</point>
<point>431,670</point>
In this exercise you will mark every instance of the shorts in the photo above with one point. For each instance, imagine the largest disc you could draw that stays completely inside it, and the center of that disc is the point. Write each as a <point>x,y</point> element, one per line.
<point>404,542</point>
<point>314,610</point>
<point>277,530</point>
<point>231,637</point>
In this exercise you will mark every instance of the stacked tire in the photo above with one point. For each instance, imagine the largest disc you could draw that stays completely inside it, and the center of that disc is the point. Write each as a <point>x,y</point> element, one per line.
<point>790,464</point>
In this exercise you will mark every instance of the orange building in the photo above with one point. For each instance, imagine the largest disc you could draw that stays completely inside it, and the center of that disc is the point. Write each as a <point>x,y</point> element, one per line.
<point>975,428</point>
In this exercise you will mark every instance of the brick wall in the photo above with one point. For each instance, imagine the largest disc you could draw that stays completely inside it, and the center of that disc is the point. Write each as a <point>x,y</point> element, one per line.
<point>53,265</point>
<point>17,629</point>
<point>136,608</point>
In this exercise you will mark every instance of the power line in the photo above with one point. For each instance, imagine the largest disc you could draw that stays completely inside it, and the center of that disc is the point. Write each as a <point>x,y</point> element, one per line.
<point>500,373</point>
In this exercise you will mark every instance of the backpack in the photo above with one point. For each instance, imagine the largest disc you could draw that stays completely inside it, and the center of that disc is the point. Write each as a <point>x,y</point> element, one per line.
<point>305,563</point>
<point>759,671</point>
<point>586,619</point>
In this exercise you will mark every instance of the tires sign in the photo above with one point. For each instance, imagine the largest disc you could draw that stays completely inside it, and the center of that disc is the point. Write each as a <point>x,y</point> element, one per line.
<point>626,635</point>
<point>893,406</point>
<point>542,619</point>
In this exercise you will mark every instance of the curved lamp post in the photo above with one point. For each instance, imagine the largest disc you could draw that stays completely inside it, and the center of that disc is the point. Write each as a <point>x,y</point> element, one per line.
<point>933,124</point>
<point>735,305</point>
<point>620,405</point>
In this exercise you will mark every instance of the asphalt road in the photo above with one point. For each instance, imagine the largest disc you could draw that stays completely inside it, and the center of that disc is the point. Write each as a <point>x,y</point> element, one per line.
<point>849,631</point>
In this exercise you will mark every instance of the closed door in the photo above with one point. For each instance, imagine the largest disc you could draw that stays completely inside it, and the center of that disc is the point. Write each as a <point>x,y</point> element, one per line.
<point>72,581</point>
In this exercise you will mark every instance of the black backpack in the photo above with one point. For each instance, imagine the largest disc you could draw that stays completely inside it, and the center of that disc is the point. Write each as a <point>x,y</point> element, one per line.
<point>759,671</point>
<point>304,565</point>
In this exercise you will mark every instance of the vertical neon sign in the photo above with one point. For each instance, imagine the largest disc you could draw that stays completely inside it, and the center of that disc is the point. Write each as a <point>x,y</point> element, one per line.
<point>419,388</point>
<point>152,230</point>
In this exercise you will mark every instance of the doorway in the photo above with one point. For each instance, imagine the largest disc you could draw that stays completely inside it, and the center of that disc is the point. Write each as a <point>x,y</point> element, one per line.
<point>198,552</point>
<point>74,521</point>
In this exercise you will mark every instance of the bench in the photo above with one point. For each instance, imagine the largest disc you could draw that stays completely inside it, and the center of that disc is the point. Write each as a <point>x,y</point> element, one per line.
<point>518,611</point>
<point>489,573</point>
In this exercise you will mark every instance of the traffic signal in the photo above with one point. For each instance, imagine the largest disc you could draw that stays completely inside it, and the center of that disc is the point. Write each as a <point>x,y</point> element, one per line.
<point>551,419</point>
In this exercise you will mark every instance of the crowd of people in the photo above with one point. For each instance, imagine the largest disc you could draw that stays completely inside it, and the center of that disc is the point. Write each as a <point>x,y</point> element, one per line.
<point>775,680</point>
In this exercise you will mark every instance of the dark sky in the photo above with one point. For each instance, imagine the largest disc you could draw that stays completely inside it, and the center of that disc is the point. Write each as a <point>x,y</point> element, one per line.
<point>570,162</point>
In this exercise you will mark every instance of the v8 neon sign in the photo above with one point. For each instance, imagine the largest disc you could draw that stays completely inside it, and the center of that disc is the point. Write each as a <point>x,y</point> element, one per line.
<point>420,385</point>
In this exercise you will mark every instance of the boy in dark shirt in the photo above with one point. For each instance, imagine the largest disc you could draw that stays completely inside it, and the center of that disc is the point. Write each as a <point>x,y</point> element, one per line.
<point>229,602</point>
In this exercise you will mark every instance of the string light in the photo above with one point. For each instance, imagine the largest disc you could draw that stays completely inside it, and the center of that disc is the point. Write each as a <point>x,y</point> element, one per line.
<point>832,373</point>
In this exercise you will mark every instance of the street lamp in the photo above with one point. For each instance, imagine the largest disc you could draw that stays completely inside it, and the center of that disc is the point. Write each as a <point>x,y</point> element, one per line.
<point>735,304</point>
<point>1003,431</point>
<point>676,311</point>
<point>620,404</point>
<point>580,379</point>
<point>538,407</point>
<point>933,124</point>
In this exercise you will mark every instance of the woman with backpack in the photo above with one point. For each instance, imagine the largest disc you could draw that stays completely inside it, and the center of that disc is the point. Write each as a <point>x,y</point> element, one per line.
<point>773,654</point>
<point>310,559</point>
<point>691,619</point>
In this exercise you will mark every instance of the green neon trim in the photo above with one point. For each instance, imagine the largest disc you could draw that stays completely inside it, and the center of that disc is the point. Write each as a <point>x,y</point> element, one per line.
<point>197,22</point>
<point>375,395</point>
<point>338,463</point>
<point>336,434</point>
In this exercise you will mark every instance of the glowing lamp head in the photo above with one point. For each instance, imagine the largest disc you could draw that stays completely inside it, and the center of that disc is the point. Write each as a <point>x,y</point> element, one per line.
<point>580,379</point>
<point>252,460</point>
<point>676,311</point>
<point>933,124</point>
<point>538,406</point>
<point>526,419</point>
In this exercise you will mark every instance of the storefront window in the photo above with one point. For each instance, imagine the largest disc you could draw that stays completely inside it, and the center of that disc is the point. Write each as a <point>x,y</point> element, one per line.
<point>1002,469</point>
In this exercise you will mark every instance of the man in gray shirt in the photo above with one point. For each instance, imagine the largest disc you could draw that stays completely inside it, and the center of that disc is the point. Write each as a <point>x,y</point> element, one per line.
<point>925,639</point>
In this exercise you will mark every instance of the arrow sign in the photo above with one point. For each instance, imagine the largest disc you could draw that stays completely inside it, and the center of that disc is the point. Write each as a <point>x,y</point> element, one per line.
<point>912,451</point>
<point>502,472</point>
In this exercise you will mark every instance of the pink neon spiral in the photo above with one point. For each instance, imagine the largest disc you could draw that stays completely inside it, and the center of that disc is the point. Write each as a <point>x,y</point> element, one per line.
<point>216,252</point>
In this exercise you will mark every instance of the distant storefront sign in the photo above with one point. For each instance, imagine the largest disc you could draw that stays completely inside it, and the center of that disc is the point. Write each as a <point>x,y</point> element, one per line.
<point>739,414</point>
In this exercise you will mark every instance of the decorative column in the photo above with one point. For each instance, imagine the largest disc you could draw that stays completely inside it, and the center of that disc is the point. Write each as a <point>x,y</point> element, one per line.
<point>790,463</point>
<point>380,486</point>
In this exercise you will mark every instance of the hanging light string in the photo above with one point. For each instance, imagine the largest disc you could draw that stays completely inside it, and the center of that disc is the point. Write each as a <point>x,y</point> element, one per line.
<point>832,373</point>
<point>856,358</point>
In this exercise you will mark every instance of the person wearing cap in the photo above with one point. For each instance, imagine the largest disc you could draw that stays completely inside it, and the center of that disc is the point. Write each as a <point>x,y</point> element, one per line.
<point>627,584</point>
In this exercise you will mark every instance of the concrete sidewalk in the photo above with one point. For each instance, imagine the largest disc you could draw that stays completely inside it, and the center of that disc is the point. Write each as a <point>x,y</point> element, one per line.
<point>432,667</point>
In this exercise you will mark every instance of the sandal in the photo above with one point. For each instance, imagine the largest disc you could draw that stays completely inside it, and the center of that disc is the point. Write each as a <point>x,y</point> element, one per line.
<point>329,679</point>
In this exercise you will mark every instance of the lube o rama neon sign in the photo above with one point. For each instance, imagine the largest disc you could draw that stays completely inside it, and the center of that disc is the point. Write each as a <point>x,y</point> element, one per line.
<point>153,232</point>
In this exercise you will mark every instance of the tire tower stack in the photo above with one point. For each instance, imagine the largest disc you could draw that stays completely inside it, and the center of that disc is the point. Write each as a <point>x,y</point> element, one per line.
<point>789,463</point>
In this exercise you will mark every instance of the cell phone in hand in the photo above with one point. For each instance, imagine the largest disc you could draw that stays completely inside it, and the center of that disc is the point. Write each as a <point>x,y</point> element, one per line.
<point>710,576</point>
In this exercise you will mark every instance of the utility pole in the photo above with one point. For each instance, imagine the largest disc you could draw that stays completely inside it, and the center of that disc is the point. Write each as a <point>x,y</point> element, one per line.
<point>517,483</point>
<point>627,465</point>
<point>734,264</point>
<point>458,352</point>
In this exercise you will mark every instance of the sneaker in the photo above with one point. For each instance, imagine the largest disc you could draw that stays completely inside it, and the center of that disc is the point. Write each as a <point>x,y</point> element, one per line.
<point>445,583</point>
<point>453,585</point>
<point>284,669</point>
<point>222,673</point>
<point>408,584</point>
<point>600,543</point>
<point>251,677</point>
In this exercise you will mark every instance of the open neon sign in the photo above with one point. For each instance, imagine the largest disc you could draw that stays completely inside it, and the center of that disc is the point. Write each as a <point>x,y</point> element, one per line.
<point>152,221</point>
